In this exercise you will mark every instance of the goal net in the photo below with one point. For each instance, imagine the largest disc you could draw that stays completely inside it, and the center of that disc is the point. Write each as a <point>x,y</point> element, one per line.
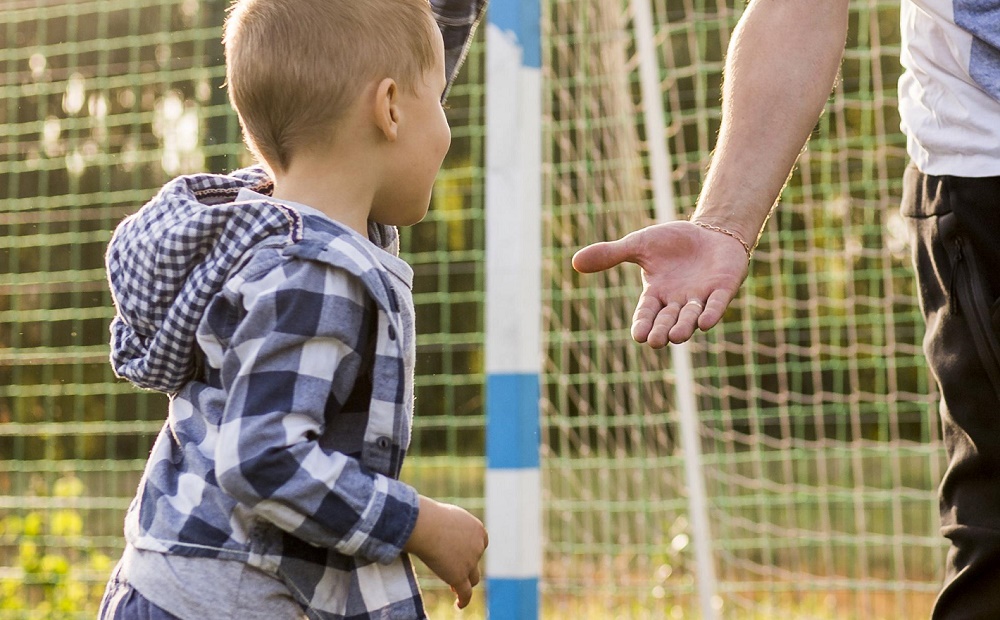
<point>816,414</point>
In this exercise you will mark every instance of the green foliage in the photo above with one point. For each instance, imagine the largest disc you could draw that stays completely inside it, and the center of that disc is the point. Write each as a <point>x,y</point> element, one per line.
<point>56,561</point>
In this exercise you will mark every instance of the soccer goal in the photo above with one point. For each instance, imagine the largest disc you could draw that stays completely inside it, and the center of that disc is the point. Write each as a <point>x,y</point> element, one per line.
<point>810,405</point>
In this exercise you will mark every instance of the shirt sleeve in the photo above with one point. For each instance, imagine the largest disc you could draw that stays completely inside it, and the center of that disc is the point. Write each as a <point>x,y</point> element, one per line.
<point>292,361</point>
<point>457,20</point>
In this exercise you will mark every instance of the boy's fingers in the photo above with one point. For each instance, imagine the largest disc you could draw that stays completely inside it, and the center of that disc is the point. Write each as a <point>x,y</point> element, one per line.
<point>474,577</point>
<point>464,593</point>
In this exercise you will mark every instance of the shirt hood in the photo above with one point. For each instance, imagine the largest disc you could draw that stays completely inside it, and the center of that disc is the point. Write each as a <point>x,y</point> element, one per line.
<point>168,260</point>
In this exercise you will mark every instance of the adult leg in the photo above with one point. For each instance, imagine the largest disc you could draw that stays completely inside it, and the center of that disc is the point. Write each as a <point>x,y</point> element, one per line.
<point>955,231</point>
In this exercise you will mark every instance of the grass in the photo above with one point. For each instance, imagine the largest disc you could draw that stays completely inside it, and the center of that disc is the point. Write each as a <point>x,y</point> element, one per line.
<point>824,533</point>
<point>858,540</point>
<point>827,605</point>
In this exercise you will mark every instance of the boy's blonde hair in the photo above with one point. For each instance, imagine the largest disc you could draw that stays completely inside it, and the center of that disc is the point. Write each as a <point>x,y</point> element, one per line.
<point>293,67</point>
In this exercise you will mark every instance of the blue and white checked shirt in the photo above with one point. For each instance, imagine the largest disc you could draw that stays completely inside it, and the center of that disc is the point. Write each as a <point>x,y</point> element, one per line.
<point>279,338</point>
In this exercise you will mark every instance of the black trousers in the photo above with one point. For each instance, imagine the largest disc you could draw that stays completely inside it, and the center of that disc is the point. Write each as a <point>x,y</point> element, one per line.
<point>954,225</point>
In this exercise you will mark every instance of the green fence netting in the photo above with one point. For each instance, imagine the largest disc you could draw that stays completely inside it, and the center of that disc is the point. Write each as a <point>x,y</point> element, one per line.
<point>821,446</point>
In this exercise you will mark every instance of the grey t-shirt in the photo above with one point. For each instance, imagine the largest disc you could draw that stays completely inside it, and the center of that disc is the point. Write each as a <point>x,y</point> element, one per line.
<point>199,588</point>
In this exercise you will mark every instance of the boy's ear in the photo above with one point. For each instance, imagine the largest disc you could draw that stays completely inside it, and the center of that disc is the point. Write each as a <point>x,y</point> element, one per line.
<point>387,108</point>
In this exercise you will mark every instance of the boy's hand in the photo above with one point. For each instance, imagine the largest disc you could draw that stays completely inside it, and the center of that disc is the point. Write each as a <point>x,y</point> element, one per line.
<point>450,541</point>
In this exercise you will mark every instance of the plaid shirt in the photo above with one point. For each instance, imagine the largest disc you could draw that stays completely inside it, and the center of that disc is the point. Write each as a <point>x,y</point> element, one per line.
<point>279,338</point>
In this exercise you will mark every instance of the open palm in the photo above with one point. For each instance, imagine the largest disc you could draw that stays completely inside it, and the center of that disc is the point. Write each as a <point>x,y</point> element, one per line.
<point>689,277</point>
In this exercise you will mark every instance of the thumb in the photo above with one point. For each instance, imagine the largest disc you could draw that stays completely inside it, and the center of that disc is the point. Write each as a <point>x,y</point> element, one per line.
<point>604,255</point>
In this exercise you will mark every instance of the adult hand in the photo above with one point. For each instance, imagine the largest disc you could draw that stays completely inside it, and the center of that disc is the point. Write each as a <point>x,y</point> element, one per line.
<point>689,277</point>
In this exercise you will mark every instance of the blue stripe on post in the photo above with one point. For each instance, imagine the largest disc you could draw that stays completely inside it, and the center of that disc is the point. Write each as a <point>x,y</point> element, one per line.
<point>512,599</point>
<point>523,18</point>
<point>512,434</point>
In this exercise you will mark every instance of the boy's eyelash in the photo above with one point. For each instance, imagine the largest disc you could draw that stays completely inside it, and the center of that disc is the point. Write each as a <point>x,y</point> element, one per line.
<point>445,106</point>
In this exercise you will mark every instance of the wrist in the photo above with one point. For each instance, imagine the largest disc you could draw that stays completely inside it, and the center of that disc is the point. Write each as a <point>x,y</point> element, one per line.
<point>745,216</point>
<point>701,223</point>
<point>416,543</point>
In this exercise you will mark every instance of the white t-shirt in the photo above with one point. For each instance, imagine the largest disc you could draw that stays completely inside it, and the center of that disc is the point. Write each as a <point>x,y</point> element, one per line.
<point>949,95</point>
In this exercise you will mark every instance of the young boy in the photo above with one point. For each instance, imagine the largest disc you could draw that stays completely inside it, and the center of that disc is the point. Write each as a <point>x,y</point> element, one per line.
<point>283,334</point>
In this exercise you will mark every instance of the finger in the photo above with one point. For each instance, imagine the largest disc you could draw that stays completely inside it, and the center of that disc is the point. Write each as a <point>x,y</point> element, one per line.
<point>715,307</point>
<point>687,320</point>
<point>464,593</point>
<point>664,322</point>
<point>486,538</point>
<point>474,577</point>
<point>645,314</point>
<point>603,255</point>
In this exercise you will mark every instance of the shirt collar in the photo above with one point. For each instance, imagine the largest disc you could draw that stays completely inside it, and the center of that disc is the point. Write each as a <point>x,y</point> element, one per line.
<point>395,265</point>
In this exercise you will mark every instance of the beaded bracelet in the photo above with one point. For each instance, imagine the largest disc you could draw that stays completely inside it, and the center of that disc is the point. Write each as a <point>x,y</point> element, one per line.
<point>726,231</point>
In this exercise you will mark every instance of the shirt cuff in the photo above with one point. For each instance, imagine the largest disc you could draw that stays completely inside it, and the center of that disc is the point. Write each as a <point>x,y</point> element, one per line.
<point>394,524</point>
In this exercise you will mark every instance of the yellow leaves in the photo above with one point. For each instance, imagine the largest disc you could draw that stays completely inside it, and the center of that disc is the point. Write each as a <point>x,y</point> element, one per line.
<point>66,523</point>
<point>72,597</point>
<point>10,595</point>
<point>28,554</point>
<point>53,565</point>
<point>100,562</point>
<point>450,207</point>
<point>67,486</point>
<point>56,563</point>
<point>11,526</point>
<point>33,524</point>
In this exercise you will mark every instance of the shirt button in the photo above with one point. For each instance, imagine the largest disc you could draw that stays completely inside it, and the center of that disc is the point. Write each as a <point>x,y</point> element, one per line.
<point>392,333</point>
<point>383,442</point>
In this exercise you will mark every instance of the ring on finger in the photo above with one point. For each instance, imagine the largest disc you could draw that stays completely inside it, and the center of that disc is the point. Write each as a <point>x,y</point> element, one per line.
<point>700,305</point>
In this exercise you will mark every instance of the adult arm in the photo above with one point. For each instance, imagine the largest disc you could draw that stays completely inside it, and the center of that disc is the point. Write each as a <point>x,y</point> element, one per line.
<point>781,64</point>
